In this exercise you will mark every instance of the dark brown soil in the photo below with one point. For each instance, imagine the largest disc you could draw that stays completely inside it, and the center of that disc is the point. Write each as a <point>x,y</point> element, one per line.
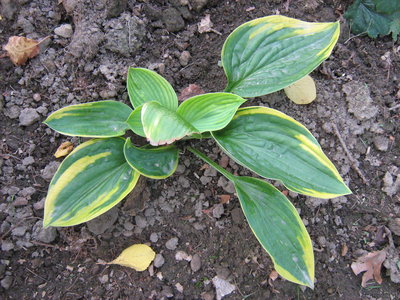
<point>358,90</point>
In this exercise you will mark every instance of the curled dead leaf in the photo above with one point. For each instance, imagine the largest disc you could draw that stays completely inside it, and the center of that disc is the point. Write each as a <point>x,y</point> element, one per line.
<point>64,149</point>
<point>138,257</point>
<point>371,264</point>
<point>205,25</point>
<point>190,91</point>
<point>20,49</point>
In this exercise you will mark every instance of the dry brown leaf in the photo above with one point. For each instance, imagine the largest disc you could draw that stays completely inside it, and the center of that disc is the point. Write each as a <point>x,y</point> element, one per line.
<point>371,264</point>
<point>64,149</point>
<point>20,49</point>
<point>224,199</point>
<point>205,25</point>
<point>190,91</point>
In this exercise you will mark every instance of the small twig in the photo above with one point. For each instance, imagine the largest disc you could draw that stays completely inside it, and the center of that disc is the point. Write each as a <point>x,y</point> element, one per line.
<point>37,275</point>
<point>351,158</point>
<point>395,107</point>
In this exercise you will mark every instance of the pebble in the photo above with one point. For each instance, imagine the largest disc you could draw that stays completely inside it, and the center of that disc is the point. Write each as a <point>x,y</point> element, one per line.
<point>195,263</point>
<point>28,116</point>
<point>6,282</point>
<point>226,185</point>
<point>141,222</point>
<point>103,279</point>
<point>159,260</point>
<point>381,143</point>
<point>49,171</point>
<point>128,226</point>
<point>154,237</point>
<point>179,287</point>
<point>7,246</point>
<point>184,182</point>
<point>19,231</point>
<point>394,226</point>
<point>64,31</point>
<point>184,58</point>
<point>222,287</point>
<point>36,97</point>
<point>28,161</point>
<point>39,205</point>
<point>218,211</point>
<point>20,201</point>
<point>172,243</point>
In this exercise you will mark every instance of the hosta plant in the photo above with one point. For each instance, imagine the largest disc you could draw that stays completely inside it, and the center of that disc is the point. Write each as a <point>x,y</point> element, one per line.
<point>260,57</point>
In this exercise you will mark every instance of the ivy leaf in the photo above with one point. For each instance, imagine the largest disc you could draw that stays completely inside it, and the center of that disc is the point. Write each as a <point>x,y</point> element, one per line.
<point>374,17</point>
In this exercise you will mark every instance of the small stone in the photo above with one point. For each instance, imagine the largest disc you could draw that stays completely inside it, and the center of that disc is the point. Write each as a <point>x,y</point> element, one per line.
<point>20,201</point>
<point>103,279</point>
<point>154,237</point>
<point>7,246</point>
<point>172,243</point>
<point>159,261</point>
<point>179,287</point>
<point>103,222</point>
<point>218,211</point>
<point>141,222</point>
<point>184,182</point>
<point>394,226</point>
<point>391,187</point>
<point>207,296</point>
<point>237,216</point>
<point>184,58</point>
<point>28,161</point>
<point>226,185</point>
<point>45,235</point>
<point>64,31</point>
<point>27,192</point>
<point>222,287</point>
<point>195,263</point>
<point>128,226</point>
<point>39,205</point>
<point>28,116</point>
<point>49,171</point>
<point>182,255</point>
<point>36,97</point>
<point>6,282</point>
<point>381,143</point>
<point>19,231</point>
<point>167,292</point>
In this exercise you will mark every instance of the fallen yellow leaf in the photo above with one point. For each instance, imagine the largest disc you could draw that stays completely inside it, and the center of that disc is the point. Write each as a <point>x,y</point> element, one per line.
<point>64,149</point>
<point>138,257</point>
<point>20,49</point>
<point>302,91</point>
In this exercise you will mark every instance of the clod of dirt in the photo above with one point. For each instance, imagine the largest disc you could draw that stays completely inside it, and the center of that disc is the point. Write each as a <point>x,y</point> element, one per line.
<point>8,8</point>
<point>45,235</point>
<point>381,143</point>
<point>124,35</point>
<point>115,7</point>
<point>184,58</point>
<point>28,116</point>
<point>64,31</point>
<point>198,5</point>
<point>6,282</point>
<point>222,287</point>
<point>86,40</point>
<point>359,100</point>
<point>173,20</point>
<point>103,222</point>
<point>394,226</point>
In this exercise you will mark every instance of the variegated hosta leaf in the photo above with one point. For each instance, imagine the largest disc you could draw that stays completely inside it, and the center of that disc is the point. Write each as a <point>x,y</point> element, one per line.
<point>211,111</point>
<point>90,181</point>
<point>270,53</point>
<point>276,146</point>
<point>93,119</point>
<point>279,229</point>
<point>145,85</point>
<point>135,121</point>
<point>163,126</point>
<point>157,163</point>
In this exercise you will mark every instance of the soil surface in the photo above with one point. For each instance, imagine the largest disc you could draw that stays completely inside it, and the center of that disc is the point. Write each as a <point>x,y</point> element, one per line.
<point>91,45</point>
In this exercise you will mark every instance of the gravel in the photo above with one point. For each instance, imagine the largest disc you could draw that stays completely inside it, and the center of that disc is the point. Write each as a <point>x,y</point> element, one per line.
<point>159,261</point>
<point>64,31</point>
<point>172,243</point>
<point>28,116</point>
<point>195,263</point>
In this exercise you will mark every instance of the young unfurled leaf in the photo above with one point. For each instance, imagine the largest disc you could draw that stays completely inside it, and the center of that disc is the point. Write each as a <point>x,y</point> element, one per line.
<point>371,264</point>
<point>64,149</point>
<point>138,257</point>
<point>20,49</point>
<point>303,91</point>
